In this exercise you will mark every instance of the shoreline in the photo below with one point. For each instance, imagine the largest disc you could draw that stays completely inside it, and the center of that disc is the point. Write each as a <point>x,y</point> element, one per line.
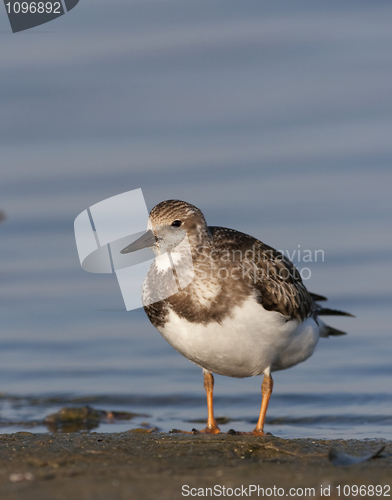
<point>147,464</point>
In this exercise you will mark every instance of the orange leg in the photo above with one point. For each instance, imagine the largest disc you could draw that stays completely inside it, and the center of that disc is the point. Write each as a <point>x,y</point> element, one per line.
<point>212,426</point>
<point>266,391</point>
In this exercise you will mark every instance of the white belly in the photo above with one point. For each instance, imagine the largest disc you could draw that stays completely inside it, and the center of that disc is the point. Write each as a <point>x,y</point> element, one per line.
<point>249,342</point>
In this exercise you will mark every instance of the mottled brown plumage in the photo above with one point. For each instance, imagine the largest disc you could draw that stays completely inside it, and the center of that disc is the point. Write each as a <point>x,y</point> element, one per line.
<point>268,273</point>
<point>261,270</point>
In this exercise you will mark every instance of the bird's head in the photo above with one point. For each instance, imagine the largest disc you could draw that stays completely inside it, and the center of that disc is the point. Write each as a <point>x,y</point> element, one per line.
<point>168,224</point>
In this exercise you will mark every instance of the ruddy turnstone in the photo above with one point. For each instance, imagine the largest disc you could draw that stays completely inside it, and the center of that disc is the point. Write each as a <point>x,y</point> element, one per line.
<point>244,310</point>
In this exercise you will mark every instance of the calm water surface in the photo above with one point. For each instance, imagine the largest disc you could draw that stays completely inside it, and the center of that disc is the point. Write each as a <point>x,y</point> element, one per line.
<point>273,120</point>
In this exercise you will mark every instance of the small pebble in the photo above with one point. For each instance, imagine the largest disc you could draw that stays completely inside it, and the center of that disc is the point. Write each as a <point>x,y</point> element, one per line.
<point>17,477</point>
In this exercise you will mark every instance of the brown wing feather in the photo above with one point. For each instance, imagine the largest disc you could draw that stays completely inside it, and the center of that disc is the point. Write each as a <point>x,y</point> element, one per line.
<point>274,276</point>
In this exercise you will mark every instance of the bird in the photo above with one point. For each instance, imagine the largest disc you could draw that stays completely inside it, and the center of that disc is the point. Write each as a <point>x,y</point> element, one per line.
<point>229,303</point>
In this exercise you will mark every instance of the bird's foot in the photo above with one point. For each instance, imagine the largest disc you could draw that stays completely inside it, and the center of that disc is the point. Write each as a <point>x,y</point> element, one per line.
<point>211,430</point>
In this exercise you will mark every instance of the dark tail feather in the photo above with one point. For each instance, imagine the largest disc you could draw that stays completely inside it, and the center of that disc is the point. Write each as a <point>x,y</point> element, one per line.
<point>317,298</point>
<point>326,330</point>
<point>329,331</point>
<point>332,312</point>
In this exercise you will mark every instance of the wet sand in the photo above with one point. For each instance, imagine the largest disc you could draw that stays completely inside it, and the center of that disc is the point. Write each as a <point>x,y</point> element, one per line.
<point>144,464</point>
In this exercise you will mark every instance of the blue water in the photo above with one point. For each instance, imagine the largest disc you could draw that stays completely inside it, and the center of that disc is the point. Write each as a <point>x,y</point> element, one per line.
<point>274,119</point>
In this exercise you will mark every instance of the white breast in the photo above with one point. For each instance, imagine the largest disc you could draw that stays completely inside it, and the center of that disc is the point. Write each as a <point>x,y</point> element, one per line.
<point>245,344</point>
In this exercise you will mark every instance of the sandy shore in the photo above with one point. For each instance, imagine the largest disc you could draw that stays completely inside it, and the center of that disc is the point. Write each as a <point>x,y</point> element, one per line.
<point>150,465</point>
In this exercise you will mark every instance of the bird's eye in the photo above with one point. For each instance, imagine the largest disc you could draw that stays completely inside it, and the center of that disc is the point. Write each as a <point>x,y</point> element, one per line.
<point>176,223</point>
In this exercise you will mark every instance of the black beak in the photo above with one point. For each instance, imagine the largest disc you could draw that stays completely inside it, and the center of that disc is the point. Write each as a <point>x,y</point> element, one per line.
<point>148,240</point>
